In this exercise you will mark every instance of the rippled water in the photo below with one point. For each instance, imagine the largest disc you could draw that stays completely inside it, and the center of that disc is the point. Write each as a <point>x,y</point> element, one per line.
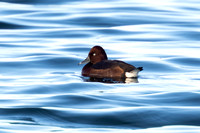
<point>41,43</point>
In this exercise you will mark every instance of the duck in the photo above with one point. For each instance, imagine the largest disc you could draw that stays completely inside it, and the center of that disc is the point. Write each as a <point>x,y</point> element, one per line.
<point>98,66</point>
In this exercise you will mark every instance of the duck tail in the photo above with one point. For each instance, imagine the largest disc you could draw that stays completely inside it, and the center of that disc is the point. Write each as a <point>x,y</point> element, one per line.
<point>133,73</point>
<point>140,68</point>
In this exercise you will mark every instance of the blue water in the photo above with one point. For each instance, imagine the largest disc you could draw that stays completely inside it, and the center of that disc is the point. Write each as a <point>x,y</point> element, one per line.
<point>41,87</point>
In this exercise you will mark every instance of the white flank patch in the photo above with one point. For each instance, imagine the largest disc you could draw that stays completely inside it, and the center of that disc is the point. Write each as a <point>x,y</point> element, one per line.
<point>132,74</point>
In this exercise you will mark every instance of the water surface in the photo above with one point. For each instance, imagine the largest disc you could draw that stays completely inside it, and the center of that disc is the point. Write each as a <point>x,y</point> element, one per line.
<point>42,90</point>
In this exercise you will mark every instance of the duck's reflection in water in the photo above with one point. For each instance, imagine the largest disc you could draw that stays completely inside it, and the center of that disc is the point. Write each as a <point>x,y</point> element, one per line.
<point>110,80</point>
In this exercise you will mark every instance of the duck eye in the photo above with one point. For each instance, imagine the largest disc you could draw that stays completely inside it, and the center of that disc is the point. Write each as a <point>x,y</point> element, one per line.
<point>94,54</point>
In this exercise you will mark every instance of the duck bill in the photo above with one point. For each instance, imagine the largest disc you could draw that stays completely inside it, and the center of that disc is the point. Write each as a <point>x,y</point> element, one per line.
<point>87,60</point>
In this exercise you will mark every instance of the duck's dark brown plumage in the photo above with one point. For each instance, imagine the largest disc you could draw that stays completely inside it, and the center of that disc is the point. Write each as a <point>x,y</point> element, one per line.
<point>99,66</point>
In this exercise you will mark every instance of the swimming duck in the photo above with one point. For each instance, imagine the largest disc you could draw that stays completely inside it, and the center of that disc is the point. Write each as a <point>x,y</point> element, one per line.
<point>99,66</point>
